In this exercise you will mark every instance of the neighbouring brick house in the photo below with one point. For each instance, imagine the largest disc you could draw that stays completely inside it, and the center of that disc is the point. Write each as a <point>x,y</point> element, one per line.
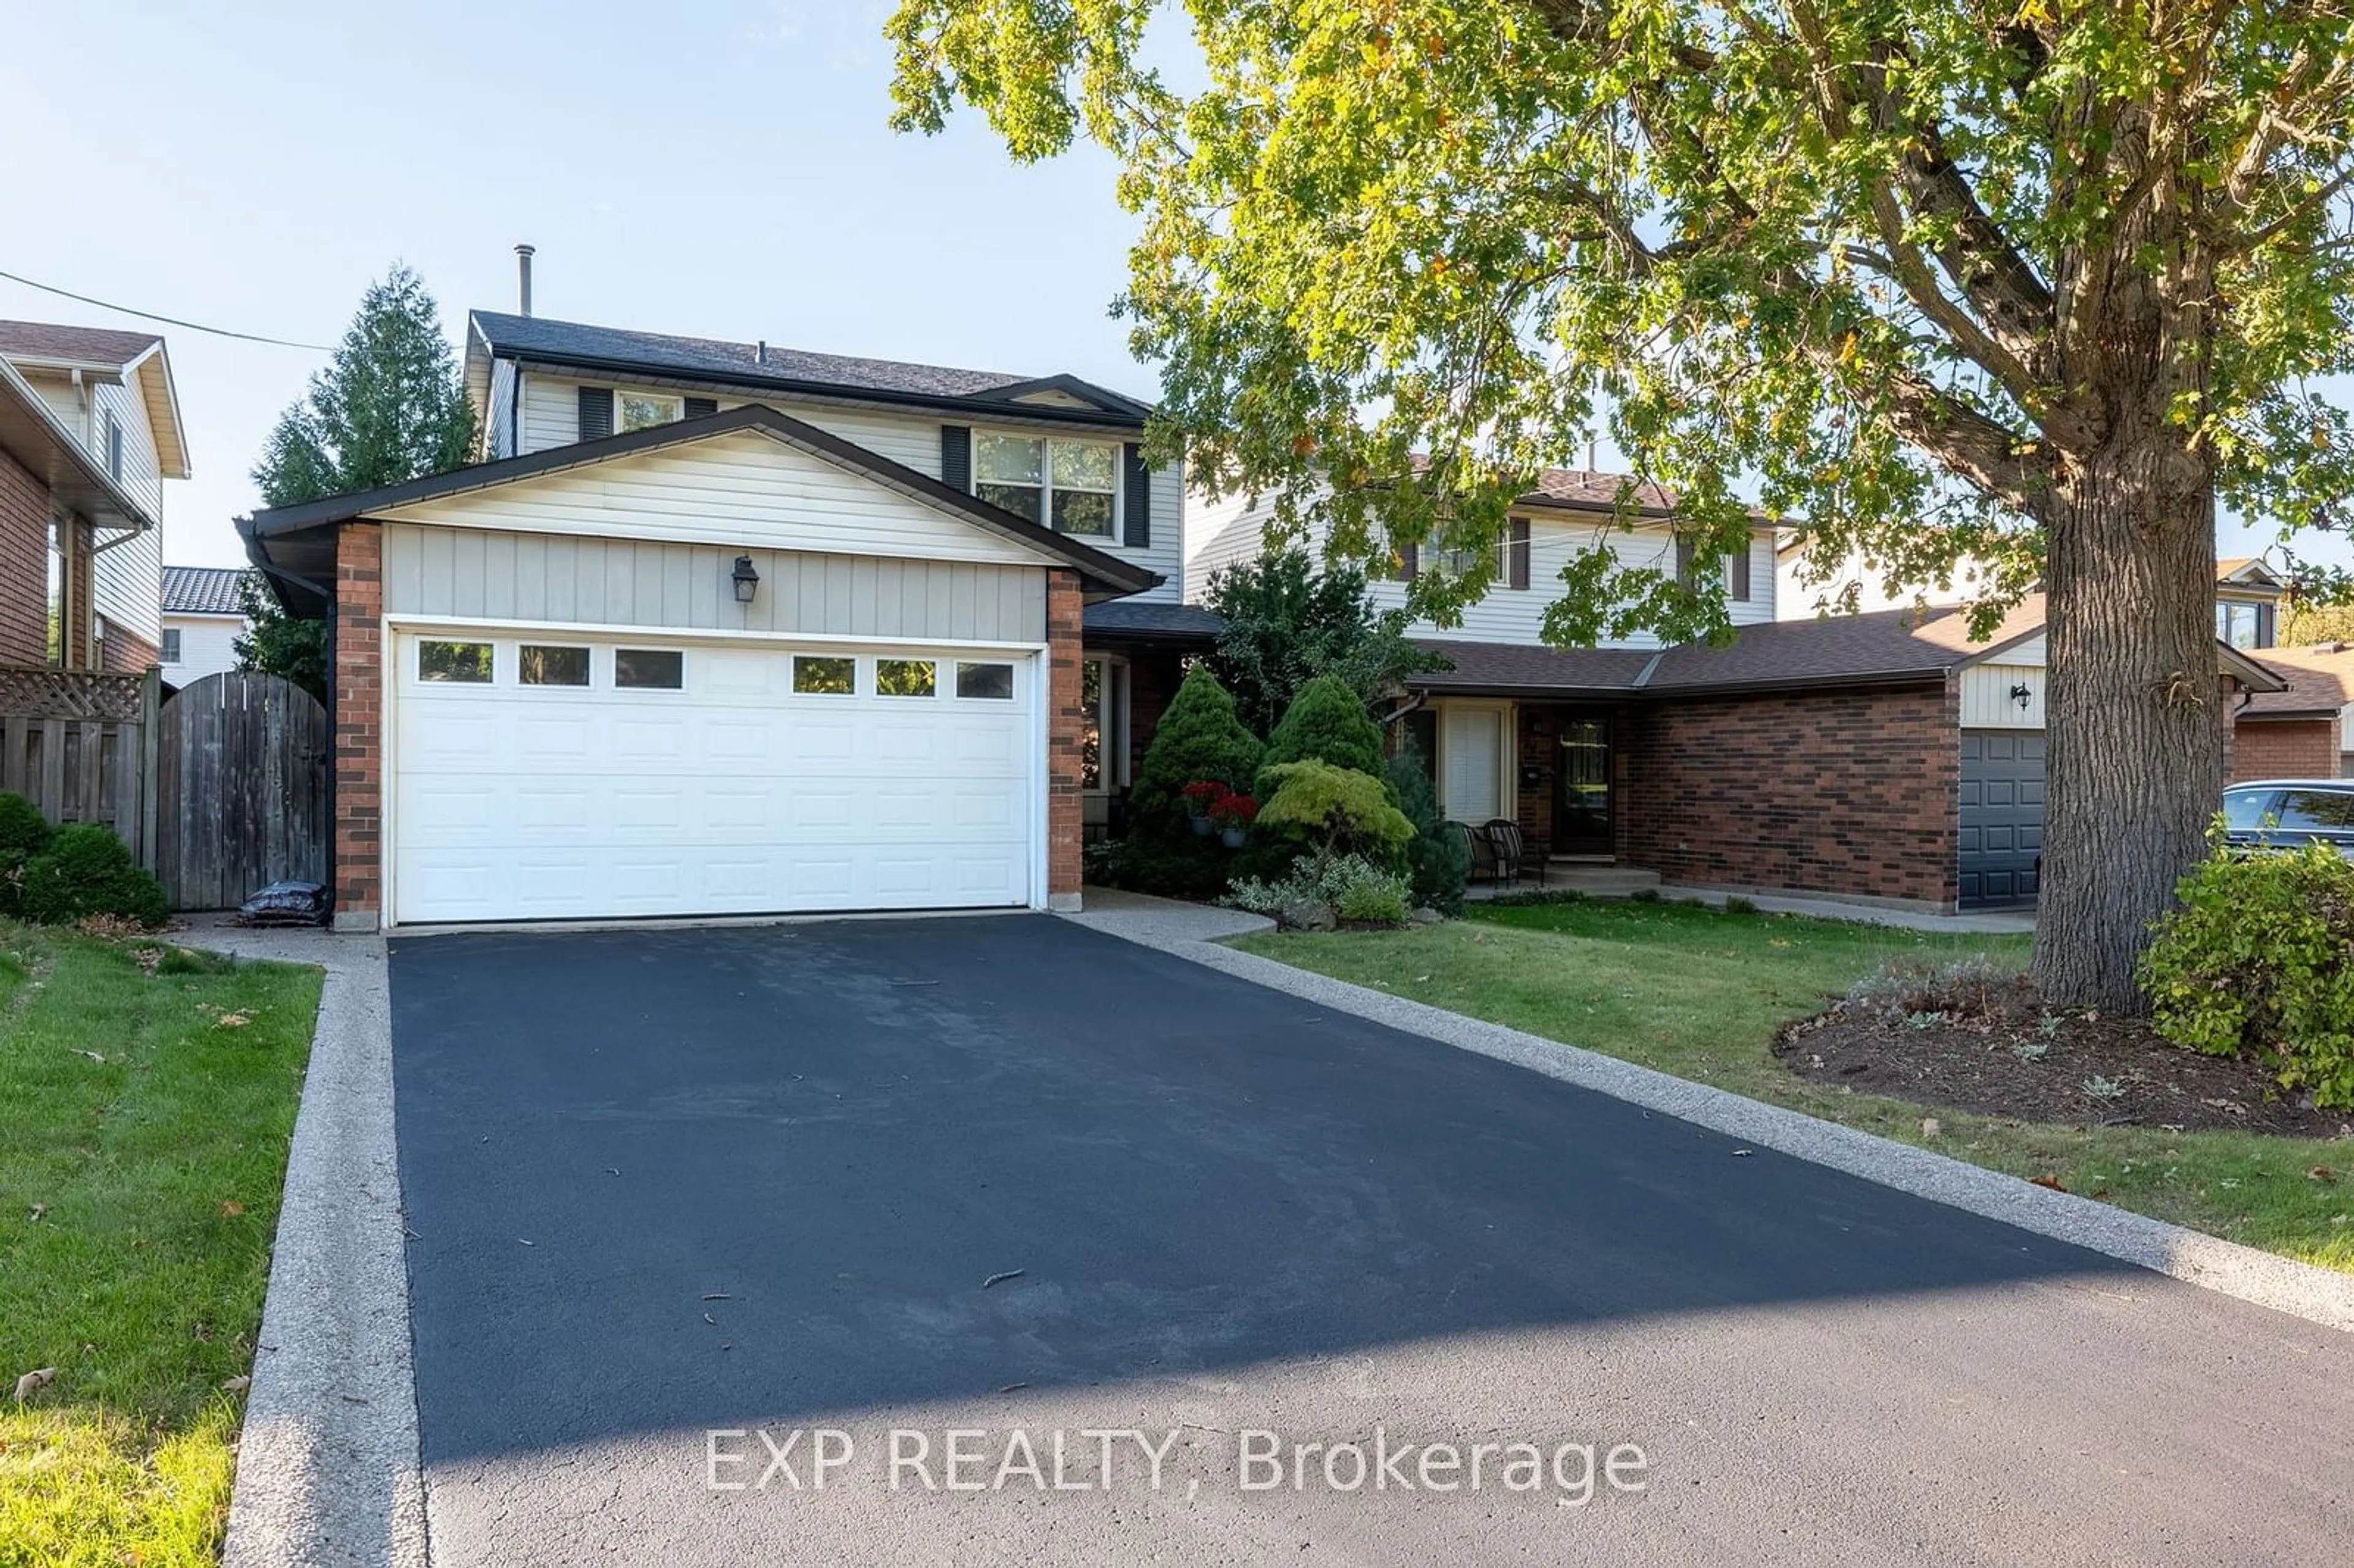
<point>89,428</point>
<point>719,628</point>
<point>2299,732</point>
<point>1879,755</point>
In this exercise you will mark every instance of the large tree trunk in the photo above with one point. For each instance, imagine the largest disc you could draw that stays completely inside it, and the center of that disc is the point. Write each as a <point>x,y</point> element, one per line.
<point>2135,717</point>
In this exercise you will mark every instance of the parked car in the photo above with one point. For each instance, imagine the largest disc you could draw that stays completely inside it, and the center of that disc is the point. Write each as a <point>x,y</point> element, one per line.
<point>2282,814</point>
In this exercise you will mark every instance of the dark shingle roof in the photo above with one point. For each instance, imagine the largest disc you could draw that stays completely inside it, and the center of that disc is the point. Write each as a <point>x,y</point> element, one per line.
<point>1119,616</point>
<point>92,346</point>
<point>1519,666</point>
<point>201,591</point>
<point>746,364</point>
<point>1888,645</point>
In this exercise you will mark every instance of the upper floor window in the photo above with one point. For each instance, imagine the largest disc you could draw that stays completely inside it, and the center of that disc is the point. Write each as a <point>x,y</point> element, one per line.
<point>643,410</point>
<point>1072,487</point>
<point>2244,625</point>
<point>113,448</point>
<point>171,645</point>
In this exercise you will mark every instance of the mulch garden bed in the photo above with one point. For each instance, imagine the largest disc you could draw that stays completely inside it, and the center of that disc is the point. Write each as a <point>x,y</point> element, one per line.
<point>2005,1055</point>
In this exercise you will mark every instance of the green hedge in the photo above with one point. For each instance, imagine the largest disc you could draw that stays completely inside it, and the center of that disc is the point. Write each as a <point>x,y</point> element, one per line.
<point>58,875</point>
<point>2259,963</point>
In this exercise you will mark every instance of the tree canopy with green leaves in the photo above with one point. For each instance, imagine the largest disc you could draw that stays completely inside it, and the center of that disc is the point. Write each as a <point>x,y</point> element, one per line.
<point>2031,284</point>
<point>390,405</point>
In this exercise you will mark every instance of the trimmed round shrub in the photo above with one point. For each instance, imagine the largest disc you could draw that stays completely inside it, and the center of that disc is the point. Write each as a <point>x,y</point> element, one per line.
<point>1198,740</point>
<point>1327,722</point>
<point>87,871</point>
<point>2259,963</point>
<point>23,830</point>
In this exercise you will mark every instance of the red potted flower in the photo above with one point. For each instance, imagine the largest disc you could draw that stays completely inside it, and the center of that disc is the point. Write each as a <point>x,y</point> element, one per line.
<point>1232,813</point>
<point>1200,795</point>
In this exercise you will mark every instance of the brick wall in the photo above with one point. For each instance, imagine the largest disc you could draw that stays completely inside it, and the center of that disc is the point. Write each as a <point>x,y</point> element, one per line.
<point>24,566</point>
<point>126,655</point>
<point>1840,792</point>
<point>358,681</point>
<point>1066,719</point>
<point>2283,748</point>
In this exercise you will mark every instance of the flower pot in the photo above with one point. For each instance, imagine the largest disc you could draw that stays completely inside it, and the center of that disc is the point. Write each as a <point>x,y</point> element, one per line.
<point>1231,837</point>
<point>1200,827</point>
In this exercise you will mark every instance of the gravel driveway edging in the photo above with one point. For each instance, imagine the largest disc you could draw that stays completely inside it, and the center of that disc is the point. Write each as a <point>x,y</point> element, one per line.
<point>327,1469</point>
<point>2302,1289</point>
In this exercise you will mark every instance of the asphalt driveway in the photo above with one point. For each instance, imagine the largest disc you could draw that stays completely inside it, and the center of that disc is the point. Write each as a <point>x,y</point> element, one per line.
<point>683,1201</point>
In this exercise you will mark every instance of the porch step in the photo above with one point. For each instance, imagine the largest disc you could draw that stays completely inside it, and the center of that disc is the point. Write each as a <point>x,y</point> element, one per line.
<point>1589,876</point>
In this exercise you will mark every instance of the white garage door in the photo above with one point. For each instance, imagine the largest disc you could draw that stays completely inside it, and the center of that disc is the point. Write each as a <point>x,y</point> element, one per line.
<point>541,778</point>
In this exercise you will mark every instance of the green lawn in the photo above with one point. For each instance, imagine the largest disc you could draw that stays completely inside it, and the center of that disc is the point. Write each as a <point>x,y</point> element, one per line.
<point>1700,994</point>
<point>143,1146</point>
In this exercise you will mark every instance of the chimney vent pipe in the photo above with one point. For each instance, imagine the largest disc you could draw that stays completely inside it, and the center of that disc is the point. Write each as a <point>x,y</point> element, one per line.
<point>523,277</point>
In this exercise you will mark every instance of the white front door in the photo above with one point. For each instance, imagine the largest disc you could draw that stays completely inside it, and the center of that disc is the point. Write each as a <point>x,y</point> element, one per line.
<point>541,777</point>
<point>1471,763</point>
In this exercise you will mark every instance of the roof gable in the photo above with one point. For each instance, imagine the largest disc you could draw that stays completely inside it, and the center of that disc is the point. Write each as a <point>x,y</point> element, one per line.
<point>749,476</point>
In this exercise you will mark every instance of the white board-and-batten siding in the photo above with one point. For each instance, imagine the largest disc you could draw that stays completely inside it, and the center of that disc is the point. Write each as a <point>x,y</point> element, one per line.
<point>561,579</point>
<point>1988,699</point>
<point>550,417</point>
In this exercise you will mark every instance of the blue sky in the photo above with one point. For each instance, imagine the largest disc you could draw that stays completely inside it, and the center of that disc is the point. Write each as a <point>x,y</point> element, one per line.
<point>720,167</point>
<point>717,168</point>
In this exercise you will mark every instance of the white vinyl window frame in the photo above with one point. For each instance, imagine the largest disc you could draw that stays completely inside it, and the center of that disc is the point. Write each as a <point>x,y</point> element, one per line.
<point>1111,719</point>
<point>1045,486</point>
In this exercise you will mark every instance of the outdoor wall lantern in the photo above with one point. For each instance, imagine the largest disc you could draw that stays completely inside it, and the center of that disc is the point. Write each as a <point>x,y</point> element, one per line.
<point>2022,694</point>
<point>747,580</point>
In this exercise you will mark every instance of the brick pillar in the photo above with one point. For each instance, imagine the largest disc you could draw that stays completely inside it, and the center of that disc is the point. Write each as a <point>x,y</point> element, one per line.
<point>1066,718</point>
<point>358,682</point>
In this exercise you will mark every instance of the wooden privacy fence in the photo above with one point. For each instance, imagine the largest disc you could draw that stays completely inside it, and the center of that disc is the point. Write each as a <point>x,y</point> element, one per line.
<point>242,776</point>
<point>79,745</point>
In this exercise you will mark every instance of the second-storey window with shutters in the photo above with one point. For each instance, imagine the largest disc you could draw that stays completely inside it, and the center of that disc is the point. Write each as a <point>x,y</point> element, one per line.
<point>1072,487</point>
<point>643,410</point>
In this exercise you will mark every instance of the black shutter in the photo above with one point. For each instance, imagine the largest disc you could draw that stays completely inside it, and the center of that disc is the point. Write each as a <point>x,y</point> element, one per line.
<point>1516,555</point>
<point>1139,530</point>
<point>1683,562</point>
<point>1736,577</point>
<point>955,457</point>
<point>1408,562</point>
<point>596,412</point>
<point>702,407</point>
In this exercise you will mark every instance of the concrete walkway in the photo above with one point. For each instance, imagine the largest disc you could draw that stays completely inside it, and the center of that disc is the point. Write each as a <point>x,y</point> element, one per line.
<point>327,1469</point>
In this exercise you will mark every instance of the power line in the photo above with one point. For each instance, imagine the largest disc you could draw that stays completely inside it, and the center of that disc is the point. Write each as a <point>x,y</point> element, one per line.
<point>167,321</point>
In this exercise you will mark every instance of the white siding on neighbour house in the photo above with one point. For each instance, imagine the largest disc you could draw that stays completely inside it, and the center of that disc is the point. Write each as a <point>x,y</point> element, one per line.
<point>1219,534</point>
<point>207,646</point>
<point>551,418</point>
<point>127,576</point>
<point>476,574</point>
<point>742,489</point>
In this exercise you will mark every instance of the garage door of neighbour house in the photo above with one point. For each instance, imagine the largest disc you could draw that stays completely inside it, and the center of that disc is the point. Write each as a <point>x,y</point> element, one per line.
<point>2001,816</point>
<point>540,777</point>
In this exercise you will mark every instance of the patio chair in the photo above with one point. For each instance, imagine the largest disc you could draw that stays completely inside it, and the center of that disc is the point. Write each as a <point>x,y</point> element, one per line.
<point>1481,853</point>
<point>1511,851</point>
